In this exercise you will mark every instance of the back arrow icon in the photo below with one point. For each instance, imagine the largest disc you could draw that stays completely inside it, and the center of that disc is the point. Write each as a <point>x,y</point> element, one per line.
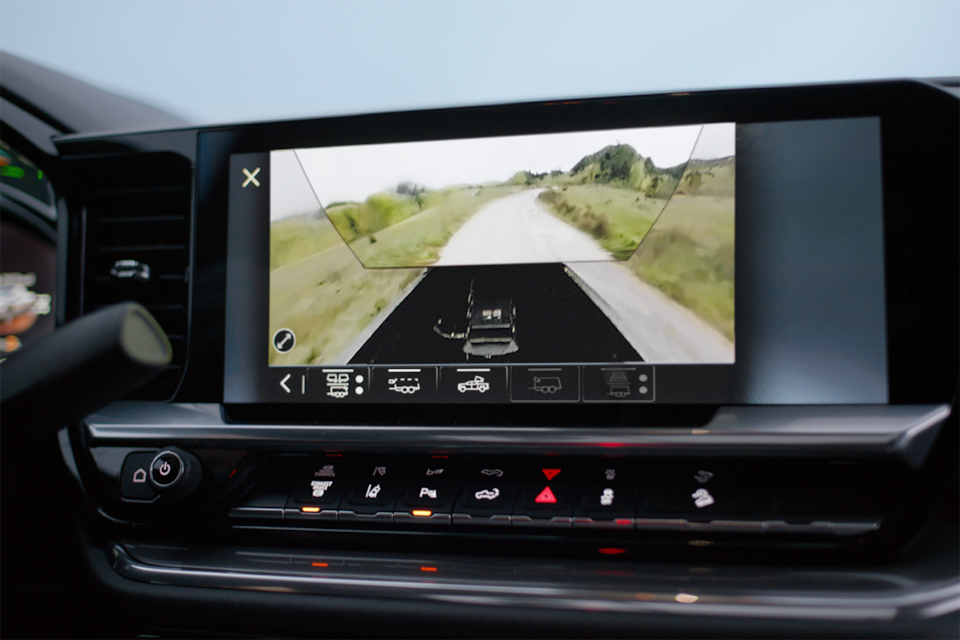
<point>285,387</point>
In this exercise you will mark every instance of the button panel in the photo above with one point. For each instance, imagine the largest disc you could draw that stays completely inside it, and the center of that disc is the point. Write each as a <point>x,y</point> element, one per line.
<point>599,492</point>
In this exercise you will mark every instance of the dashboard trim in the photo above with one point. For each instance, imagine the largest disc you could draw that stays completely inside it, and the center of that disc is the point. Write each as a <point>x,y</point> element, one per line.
<point>906,432</point>
<point>912,600</point>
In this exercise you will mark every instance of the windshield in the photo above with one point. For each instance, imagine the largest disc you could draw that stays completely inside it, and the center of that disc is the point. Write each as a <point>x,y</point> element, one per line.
<point>241,61</point>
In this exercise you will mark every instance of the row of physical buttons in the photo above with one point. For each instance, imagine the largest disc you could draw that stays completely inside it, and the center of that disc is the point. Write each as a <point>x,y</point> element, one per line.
<point>611,493</point>
<point>441,491</point>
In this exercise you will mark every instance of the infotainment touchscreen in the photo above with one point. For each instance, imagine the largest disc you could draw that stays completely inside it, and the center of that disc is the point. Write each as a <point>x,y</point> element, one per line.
<point>574,267</point>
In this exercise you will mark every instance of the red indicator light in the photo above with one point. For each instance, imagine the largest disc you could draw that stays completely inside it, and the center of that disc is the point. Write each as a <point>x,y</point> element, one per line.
<point>232,472</point>
<point>546,497</point>
<point>310,509</point>
<point>623,521</point>
<point>611,551</point>
<point>551,473</point>
<point>422,513</point>
<point>334,455</point>
<point>431,569</point>
<point>320,564</point>
<point>441,457</point>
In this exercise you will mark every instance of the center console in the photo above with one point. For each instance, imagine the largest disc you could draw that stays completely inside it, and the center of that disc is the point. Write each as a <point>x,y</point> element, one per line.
<point>697,325</point>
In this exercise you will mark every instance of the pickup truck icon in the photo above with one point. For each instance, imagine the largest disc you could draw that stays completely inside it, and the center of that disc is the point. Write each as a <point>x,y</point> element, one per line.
<point>477,384</point>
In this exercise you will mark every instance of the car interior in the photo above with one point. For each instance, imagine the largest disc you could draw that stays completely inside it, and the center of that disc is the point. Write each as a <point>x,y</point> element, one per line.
<point>665,365</point>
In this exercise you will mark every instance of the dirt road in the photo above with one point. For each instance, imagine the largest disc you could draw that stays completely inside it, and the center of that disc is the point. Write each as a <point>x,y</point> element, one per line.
<point>515,230</point>
<point>656,326</point>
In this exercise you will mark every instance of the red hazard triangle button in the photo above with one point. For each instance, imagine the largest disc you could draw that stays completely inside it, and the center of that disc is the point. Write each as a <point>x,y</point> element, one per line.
<point>546,497</point>
<point>550,473</point>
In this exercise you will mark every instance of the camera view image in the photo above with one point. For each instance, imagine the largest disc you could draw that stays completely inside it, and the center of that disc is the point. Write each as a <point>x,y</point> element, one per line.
<point>603,246</point>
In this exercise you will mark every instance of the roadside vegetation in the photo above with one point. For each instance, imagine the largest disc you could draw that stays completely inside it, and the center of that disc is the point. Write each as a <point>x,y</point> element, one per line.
<point>614,195</point>
<point>410,227</point>
<point>320,290</point>
<point>328,299</point>
<point>689,253</point>
<point>299,236</point>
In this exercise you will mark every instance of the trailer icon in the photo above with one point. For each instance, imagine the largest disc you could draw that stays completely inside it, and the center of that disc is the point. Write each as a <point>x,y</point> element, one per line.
<point>546,384</point>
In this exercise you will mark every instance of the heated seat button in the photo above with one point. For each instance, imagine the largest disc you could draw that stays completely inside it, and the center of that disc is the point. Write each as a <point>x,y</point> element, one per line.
<point>605,504</point>
<point>133,477</point>
<point>701,493</point>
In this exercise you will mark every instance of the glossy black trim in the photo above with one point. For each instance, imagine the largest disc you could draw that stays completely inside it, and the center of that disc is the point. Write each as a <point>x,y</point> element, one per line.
<point>906,432</point>
<point>73,105</point>
<point>567,585</point>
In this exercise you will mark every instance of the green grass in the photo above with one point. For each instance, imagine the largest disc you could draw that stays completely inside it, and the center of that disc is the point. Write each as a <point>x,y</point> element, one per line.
<point>328,298</point>
<point>417,240</point>
<point>292,239</point>
<point>355,220</point>
<point>689,255</point>
<point>617,218</point>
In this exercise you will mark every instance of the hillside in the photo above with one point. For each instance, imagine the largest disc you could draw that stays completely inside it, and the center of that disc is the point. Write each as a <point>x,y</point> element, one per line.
<point>709,178</point>
<point>620,165</point>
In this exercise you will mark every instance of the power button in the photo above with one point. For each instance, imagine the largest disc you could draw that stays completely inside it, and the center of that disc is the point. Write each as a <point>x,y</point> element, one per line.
<point>166,469</point>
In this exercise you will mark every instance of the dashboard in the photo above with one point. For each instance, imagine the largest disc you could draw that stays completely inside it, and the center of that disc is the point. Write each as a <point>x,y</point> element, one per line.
<point>680,364</point>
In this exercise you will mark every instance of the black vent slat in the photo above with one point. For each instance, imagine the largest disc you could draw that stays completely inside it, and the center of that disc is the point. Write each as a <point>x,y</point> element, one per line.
<point>140,190</point>
<point>137,247</point>
<point>142,247</point>
<point>145,231</point>
<point>138,219</point>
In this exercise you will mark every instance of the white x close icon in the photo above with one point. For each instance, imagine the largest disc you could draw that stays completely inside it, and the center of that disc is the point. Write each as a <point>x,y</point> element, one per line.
<point>251,177</point>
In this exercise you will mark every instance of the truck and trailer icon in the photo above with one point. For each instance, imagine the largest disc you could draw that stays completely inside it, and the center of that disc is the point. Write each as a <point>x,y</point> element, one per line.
<point>546,384</point>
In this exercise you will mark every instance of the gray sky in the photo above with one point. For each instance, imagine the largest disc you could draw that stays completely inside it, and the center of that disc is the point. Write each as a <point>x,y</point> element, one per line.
<point>717,140</point>
<point>290,193</point>
<point>243,60</point>
<point>352,173</point>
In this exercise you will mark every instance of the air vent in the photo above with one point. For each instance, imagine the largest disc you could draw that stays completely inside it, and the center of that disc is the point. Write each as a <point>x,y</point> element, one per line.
<point>137,247</point>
